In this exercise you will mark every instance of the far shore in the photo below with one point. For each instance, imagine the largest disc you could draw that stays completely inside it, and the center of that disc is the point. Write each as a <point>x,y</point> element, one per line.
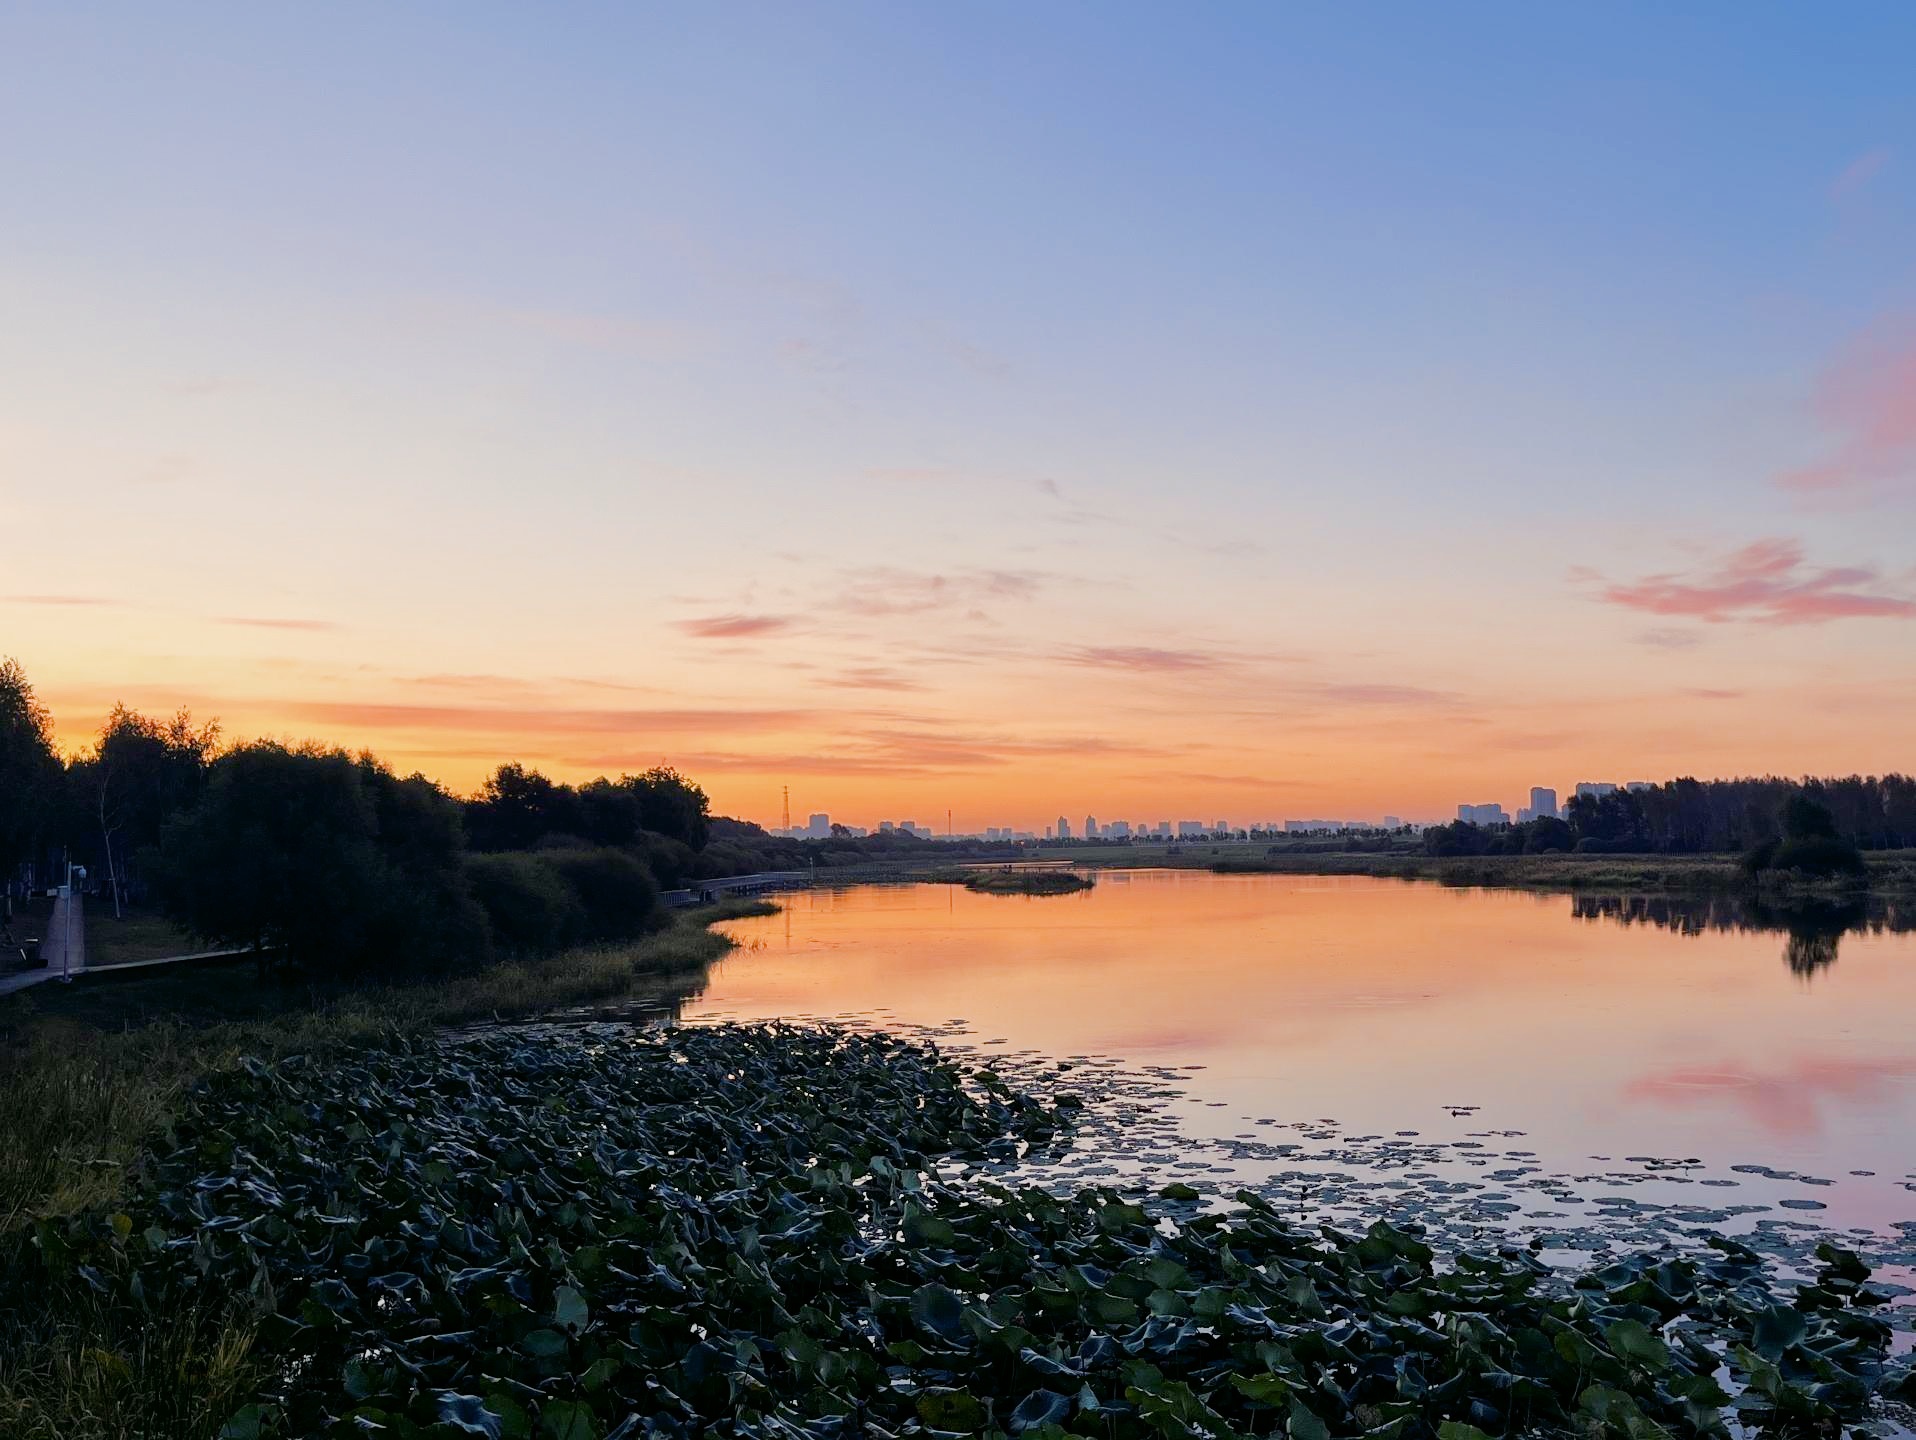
<point>1892,873</point>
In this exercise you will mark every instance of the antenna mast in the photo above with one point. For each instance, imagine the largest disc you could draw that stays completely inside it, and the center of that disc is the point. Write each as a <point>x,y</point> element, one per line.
<point>786,792</point>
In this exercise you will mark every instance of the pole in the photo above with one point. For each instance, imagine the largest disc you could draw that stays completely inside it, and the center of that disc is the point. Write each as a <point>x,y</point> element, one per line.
<point>66,940</point>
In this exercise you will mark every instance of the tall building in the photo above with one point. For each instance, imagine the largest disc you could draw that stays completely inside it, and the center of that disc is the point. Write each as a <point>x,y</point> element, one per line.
<point>1487,815</point>
<point>1064,828</point>
<point>1090,827</point>
<point>1393,822</point>
<point>1595,790</point>
<point>1543,802</point>
<point>1117,830</point>
<point>818,827</point>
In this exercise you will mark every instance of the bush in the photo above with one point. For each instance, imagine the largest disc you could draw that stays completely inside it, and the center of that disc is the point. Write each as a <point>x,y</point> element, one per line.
<point>1810,845</point>
<point>528,904</point>
<point>1591,845</point>
<point>619,897</point>
<point>1823,856</point>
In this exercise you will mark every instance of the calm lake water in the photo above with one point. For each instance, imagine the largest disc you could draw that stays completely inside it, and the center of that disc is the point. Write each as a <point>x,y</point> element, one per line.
<point>1476,1058</point>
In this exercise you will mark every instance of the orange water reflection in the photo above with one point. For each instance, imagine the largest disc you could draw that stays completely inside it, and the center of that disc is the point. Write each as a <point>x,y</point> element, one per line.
<point>1378,1003</point>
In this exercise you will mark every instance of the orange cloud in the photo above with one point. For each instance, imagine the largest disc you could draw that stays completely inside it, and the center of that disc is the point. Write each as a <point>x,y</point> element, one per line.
<point>535,719</point>
<point>1765,583</point>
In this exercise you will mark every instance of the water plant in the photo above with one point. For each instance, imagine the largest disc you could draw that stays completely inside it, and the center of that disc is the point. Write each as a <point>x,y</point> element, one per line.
<point>733,1231</point>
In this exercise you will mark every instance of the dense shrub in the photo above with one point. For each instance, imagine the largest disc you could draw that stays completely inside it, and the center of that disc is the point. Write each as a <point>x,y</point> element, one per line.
<point>618,895</point>
<point>529,905</point>
<point>1818,855</point>
<point>1810,845</point>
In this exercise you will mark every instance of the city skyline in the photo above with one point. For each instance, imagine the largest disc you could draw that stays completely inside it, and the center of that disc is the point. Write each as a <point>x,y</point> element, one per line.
<point>1186,412</point>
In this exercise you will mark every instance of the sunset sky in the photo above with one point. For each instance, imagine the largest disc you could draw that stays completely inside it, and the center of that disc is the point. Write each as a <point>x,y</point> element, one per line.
<point>1164,411</point>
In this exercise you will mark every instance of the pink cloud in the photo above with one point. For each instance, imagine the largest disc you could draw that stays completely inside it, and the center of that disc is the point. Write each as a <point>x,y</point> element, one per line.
<point>1867,399</point>
<point>734,627</point>
<point>1859,172</point>
<point>1765,583</point>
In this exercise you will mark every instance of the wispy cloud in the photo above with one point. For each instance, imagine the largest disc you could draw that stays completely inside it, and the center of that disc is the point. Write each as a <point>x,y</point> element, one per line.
<point>60,600</point>
<point>1148,659</point>
<point>870,677</point>
<point>1382,694</point>
<point>1666,639</point>
<point>1859,172</point>
<point>275,622</point>
<point>1765,583</point>
<point>1867,399</point>
<point>885,590</point>
<point>735,627</point>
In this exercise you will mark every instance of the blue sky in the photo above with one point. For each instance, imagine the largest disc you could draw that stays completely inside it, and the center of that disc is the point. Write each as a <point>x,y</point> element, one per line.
<point>1345,354</point>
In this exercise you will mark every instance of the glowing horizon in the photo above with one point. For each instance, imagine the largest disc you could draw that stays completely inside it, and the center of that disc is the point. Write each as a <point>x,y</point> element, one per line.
<point>1165,417</point>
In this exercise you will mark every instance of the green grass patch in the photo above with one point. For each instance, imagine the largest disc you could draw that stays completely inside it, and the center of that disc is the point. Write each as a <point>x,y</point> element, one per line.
<point>138,935</point>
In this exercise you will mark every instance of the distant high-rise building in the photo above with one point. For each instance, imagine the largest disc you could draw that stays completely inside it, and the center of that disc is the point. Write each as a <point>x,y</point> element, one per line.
<point>1543,802</point>
<point>1091,827</point>
<point>1637,786</point>
<point>1393,822</point>
<point>1117,830</point>
<point>1064,828</point>
<point>1483,815</point>
<point>1595,790</point>
<point>818,827</point>
<point>885,827</point>
<point>1189,828</point>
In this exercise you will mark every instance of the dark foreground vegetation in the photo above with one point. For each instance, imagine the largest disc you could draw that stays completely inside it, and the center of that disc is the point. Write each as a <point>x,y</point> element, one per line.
<point>739,1231</point>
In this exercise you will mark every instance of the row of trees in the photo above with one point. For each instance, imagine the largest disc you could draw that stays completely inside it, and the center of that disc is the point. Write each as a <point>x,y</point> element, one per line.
<point>1692,817</point>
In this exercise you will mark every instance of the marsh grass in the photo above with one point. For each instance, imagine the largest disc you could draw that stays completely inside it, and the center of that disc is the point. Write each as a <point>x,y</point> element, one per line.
<point>91,1073</point>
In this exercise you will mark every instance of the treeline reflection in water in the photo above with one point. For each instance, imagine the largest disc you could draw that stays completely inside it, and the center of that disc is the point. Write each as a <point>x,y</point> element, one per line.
<point>1813,929</point>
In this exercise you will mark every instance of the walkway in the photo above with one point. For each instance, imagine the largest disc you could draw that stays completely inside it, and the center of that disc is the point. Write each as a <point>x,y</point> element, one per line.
<point>63,947</point>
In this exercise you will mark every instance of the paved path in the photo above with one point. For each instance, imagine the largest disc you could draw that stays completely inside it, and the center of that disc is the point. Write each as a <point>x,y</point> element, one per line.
<point>64,947</point>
